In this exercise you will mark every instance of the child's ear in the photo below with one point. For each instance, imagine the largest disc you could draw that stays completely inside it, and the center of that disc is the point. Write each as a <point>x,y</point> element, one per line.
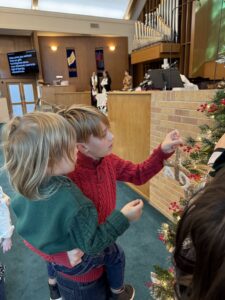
<point>82,147</point>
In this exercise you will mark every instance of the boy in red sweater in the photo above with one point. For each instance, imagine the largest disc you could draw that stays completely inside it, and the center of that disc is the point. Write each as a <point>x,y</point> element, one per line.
<point>97,169</point>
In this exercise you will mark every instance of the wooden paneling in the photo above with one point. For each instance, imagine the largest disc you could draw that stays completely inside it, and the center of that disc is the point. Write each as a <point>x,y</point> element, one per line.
<point>139,74</point>
<point>154,52</point>
<point>36,47</point>
<point>55,63</point>
<point>213,71</point>
<point>208,39</point>
<point>186,36</point>
<point>48,92</point>
<point>4,112</point>
<point>12,44</point>
<point>64,95</point>
<point>70,98</point>
<point>129,115</point>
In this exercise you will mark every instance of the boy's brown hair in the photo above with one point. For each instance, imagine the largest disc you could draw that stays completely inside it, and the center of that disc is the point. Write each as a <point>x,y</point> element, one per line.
<point>86,120</point>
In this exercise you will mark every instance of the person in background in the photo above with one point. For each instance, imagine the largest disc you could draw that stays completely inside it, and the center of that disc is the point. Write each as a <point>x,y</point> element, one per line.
<point>127,81</point>
<point>94,82</point>
<point>97,169</point>
<point>200,242</point>
<point>52,214</point>
<point>6,231</point>
<point>106,82</point>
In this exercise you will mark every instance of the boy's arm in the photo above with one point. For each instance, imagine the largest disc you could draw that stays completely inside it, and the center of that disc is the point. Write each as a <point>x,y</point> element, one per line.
<point>142,172</point>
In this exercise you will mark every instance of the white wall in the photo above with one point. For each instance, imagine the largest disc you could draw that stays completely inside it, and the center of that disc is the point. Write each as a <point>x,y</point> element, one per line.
<point>21,19</point>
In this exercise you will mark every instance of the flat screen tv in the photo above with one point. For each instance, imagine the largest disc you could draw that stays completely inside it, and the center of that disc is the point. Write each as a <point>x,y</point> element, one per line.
<point>23,62</point>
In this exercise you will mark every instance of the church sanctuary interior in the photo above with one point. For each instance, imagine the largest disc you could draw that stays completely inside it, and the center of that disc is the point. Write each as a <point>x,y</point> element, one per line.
<point>150,66</point>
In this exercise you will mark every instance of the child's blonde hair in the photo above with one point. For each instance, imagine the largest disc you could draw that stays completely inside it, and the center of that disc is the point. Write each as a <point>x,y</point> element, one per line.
<point>86,120</point>
<point>33,144</point>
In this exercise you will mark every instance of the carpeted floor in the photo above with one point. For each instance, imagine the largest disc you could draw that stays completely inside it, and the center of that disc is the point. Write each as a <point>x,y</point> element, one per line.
<point>26,277</point>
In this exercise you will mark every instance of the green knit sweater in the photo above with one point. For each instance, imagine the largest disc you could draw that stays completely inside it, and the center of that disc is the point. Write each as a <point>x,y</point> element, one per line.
<point>66,220</point>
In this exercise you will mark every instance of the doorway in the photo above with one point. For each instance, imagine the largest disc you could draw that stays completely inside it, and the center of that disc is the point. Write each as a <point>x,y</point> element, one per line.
<point>22,97</point>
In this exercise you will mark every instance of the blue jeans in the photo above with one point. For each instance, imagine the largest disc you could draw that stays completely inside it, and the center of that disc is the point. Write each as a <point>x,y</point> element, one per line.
<point>72,290</point>
<point>2,289</point>
<point>112,258</point>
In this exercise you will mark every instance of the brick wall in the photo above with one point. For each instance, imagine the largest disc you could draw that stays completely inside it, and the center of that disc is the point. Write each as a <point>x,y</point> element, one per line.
<point>170,110</point>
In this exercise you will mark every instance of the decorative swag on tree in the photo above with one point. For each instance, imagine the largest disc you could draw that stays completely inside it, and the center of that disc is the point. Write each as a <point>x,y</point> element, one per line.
<point>191,174</point>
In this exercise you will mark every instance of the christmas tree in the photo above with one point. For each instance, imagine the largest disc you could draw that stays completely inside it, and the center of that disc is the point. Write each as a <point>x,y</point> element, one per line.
<point>189,168</point>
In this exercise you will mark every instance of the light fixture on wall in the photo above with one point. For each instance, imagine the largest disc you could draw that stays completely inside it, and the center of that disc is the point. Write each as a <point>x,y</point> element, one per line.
<point>35,4</point>
<point>112,47</point>
<point>54,48</point>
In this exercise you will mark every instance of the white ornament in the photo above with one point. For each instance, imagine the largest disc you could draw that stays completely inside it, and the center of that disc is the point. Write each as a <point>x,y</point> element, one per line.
<point>184,180</point>
<point>167,172</point>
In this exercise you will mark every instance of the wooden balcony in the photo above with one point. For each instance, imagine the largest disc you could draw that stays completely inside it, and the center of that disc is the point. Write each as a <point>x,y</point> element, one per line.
<point>155,52</point>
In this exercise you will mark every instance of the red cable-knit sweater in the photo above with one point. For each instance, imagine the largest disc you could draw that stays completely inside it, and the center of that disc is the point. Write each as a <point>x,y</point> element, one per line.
<point>97,180</point>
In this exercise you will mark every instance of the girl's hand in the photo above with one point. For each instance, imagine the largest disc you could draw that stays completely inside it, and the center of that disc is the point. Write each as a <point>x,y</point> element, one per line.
<point>75,256</point>
<point>6,245</point>
<point>172,141</point>
<point>6,199</point>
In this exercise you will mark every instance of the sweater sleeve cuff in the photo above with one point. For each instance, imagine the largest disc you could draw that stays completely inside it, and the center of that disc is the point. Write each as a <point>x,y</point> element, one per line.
<point>162,154</point>
<point>119,221</point>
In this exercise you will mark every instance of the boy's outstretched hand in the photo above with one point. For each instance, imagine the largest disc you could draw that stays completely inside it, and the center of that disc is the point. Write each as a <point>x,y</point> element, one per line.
<point>133,210</point>
<point>172,141</point>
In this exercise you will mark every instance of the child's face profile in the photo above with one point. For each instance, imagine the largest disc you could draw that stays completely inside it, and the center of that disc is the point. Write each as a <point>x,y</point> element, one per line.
<point>98,147</point>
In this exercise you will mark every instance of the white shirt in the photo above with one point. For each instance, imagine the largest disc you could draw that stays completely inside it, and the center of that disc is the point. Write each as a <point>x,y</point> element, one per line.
<point>6,227</point>
<point>103,83</point>
<point>94,81</point>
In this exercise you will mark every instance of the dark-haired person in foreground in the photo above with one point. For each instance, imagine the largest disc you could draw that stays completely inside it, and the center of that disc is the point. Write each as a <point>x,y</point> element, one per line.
<point>200,240</point>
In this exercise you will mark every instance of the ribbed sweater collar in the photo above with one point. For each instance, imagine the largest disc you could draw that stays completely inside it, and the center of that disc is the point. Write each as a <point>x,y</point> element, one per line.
<point>87,162</point>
